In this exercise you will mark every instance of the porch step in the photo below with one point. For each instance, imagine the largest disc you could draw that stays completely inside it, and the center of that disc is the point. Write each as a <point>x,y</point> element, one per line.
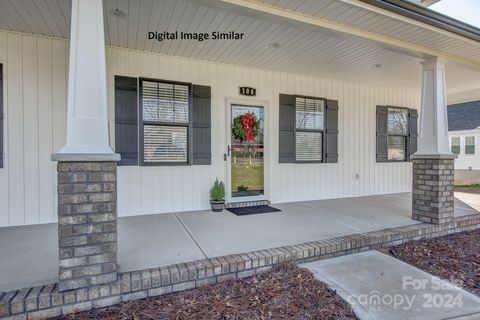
<point>247,204</point>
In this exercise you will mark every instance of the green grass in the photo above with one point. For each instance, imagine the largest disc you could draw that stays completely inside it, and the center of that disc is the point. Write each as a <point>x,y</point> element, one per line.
<point>250,176</point>
<point>472,188</point>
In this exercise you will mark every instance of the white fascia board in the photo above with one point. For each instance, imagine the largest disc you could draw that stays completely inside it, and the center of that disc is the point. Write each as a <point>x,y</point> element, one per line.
<point>428,3</point>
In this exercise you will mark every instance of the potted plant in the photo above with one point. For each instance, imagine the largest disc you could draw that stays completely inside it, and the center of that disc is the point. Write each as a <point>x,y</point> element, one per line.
<point>217,196</point>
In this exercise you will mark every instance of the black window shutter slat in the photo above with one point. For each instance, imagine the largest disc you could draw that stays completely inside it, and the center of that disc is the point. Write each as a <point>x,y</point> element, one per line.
<point>412,132</point>
<point>382,133</point>
<point>126,120</point>
<point>286,117</point>
<point>201,125</point>
<point>1,115</point>
<point>331,132</point>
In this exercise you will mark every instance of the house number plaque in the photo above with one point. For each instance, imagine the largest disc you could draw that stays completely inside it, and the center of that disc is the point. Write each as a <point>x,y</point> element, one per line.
<point>247,91</point>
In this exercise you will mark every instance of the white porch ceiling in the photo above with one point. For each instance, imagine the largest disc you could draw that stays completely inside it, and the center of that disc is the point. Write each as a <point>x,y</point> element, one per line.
<point>302,51</point>
<point>356,14</point>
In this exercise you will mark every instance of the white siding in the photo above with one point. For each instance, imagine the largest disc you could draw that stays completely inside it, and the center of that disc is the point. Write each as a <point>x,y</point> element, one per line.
<point>35,103</point>
<point>35,72</point>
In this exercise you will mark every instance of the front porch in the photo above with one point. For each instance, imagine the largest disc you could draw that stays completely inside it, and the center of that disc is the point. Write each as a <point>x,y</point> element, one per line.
<point>168,239</point>
<point>98,93</point>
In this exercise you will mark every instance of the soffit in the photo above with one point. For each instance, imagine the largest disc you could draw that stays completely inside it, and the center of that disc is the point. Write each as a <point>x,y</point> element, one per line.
<point>301,51</point>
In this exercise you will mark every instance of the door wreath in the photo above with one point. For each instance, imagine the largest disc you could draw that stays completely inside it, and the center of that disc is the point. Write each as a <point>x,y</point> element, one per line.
<point>245,127</point>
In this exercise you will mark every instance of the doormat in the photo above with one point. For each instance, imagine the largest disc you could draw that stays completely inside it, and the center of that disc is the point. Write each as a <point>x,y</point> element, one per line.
<point>245,211</point>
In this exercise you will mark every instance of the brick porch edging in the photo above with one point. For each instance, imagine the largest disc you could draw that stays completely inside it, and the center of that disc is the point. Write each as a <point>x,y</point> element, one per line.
<point>47,301</point>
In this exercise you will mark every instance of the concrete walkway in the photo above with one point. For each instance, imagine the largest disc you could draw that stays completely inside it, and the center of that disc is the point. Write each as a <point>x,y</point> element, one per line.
<point>381,287</point>
<point>30,256</point>
<point>473,199</point>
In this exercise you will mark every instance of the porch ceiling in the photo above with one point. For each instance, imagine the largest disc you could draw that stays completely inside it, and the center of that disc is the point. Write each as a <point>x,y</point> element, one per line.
<point>302,50</point>
<point>368,18</point>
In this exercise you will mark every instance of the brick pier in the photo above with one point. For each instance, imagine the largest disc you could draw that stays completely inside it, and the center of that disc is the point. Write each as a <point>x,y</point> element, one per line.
<point>433,187</point>
<point>87,224</point>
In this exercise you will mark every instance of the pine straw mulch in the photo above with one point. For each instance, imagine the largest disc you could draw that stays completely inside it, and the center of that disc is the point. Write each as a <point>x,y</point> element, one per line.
<point>454,257</point>
<point>287,293</point>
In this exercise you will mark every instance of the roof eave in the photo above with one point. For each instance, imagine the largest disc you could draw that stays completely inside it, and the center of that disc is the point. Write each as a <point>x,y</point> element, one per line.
<point>427,16</point>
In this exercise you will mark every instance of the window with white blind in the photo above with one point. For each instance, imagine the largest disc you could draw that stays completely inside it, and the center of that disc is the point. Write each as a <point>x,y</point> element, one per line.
<point>309,126</point>
<point>165,117</point>
<point>456,145</point>
<point>469,145</point>
<point>397,130</point>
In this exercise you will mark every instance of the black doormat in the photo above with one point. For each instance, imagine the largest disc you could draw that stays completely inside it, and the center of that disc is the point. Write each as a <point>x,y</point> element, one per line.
<point>245,211</point>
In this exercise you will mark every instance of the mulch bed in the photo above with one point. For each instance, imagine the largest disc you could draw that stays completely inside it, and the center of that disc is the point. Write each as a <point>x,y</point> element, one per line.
<point>454,257</point>
<point>288,293</point>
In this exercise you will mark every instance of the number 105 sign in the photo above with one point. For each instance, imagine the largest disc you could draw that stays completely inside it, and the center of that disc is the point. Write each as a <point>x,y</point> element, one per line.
<point>247,91</point>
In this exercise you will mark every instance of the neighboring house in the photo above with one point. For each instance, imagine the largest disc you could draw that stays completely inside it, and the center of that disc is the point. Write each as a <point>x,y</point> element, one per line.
<point>464,135</point>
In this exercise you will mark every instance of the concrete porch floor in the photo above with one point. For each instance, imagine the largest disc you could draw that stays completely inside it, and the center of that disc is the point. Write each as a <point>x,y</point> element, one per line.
<point>29,253</point>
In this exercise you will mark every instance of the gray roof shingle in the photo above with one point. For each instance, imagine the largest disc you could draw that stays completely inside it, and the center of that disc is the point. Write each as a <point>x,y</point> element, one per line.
<point>464,116</point>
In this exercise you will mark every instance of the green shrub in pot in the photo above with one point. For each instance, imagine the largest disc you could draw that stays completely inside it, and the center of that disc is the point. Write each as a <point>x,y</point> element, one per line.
<point>217,196</point>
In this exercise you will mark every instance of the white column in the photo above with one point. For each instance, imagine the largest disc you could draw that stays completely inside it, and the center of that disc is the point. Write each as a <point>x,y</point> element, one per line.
<point>433,131</point>
<point>87,120</point>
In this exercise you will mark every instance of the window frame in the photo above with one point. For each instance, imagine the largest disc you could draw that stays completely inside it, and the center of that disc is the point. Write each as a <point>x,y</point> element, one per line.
<point>459,145</point>
<point>142,123</point>
<point>474,145</point>
<point>322,131</point>
<point>406,136</point>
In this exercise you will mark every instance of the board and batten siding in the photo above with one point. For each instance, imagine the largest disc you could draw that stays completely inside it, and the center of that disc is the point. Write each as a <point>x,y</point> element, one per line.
<point>35,98</point>
<point>35,113</point>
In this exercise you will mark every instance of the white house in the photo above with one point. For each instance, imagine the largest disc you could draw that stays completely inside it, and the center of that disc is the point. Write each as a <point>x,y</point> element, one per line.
<point>126,108</point>
<point>464,134</point>
<point>374,66</point>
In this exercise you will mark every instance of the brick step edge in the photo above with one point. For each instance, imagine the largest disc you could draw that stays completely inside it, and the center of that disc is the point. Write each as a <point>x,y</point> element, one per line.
<point>47,301</point>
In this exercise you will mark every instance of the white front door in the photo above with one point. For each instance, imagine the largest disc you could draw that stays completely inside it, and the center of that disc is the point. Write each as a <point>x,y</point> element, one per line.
<point>245,157</point>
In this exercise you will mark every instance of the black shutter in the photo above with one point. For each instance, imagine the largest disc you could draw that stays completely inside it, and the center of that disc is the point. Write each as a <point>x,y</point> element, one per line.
<point>201,125</point>
<point>412,133</point>
<point>1,115</point>
<point>330,146</point>
<point>286,117</point>
<point>126,120</point>
<point>382,133</point>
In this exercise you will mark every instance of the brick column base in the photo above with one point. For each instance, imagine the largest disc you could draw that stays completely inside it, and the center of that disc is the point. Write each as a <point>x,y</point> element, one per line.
<point>433,199</point>
<point>87,224</point>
